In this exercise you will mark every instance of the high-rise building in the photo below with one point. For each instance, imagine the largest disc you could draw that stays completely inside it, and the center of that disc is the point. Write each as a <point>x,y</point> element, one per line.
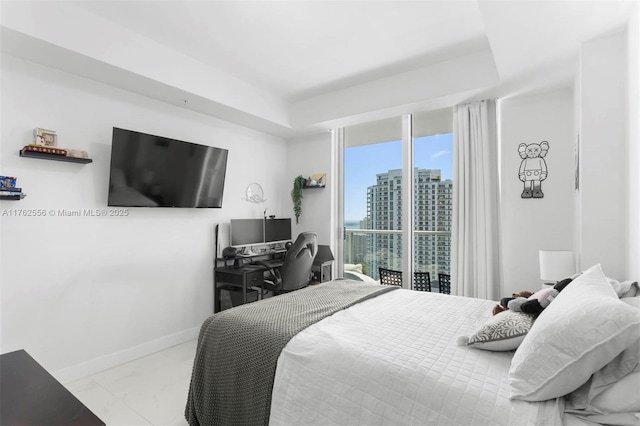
<point>432,222</point>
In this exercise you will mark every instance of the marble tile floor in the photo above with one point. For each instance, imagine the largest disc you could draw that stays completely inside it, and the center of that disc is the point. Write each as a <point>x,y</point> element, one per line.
<point>148,391</point>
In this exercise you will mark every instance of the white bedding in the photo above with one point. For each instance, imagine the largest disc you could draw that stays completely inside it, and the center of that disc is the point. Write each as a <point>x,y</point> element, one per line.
<point>393,360</point>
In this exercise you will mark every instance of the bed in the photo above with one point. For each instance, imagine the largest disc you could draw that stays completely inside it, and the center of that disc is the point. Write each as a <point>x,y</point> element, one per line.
<point>369,354</point>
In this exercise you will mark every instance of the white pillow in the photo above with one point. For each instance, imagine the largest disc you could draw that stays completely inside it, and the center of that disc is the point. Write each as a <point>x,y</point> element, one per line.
<point>615,388</point>
<point>620,397</point>
<point>501,332</point>
<point>351,267</point>
<point>584,328</point>
<point>624,289</point>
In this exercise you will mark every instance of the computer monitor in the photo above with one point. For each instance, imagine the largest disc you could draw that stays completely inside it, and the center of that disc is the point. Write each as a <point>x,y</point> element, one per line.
<point>277,230</point>
<point>246,232</point>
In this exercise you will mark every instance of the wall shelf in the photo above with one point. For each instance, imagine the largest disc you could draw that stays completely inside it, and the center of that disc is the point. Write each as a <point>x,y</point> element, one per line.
<point>18,196</point>
<point>318,180</point>
<point>44,156</point>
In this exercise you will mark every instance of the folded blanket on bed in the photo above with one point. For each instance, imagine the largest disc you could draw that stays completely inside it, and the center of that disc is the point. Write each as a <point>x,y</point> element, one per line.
<point>235,361</point>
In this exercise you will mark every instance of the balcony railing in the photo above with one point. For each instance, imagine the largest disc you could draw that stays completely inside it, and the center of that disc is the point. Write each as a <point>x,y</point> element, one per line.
<point>361,250</point>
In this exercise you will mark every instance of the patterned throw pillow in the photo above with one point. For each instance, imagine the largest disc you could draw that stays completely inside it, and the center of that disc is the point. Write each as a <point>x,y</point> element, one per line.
<point>502,332</point>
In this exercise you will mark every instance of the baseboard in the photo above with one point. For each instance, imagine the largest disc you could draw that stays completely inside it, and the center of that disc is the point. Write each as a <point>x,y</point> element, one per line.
<point>96,365</point>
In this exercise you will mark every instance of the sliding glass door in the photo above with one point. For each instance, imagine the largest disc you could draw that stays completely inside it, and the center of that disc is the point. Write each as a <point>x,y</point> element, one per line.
<point>375,166</point>
<point>373,197</point>
<point>433,193</point>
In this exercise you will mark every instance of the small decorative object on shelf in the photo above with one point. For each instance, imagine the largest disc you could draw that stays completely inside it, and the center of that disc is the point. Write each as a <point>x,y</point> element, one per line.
<point>45,137</point>
<point>45,150</point>
<point>7,182</point>
<point>8,189</point>
<point>45,146</point>
<point>318,180</point>
<point>76,153</point>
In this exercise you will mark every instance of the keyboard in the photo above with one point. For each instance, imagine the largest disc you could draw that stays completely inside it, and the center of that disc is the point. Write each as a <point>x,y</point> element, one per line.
<point>274,263</point>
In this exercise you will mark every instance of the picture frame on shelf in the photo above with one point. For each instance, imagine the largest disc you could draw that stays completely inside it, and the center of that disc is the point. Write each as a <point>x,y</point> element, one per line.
<point>45,137</point>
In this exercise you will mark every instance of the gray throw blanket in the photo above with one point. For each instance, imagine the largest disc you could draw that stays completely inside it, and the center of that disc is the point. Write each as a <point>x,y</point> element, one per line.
<point>235,363</point>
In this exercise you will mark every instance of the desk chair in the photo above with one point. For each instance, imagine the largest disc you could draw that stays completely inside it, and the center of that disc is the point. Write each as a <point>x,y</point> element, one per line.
<point>390,277</point>
<point>421,280</point>
<point>295,272</point>
<point>444,282</point>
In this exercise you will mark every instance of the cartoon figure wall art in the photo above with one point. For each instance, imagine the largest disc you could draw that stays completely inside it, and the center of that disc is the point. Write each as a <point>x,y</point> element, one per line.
<point>533,168</point>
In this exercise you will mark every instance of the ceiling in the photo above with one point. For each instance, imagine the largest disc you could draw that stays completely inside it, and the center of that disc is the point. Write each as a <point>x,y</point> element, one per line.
<point>297,50</point>
<point>291,67</point>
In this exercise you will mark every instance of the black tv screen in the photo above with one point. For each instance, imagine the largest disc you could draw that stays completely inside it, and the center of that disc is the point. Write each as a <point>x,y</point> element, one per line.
<point>154,171</point>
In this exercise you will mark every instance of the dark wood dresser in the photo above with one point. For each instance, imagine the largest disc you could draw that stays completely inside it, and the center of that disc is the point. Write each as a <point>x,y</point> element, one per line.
<point>29,395</point>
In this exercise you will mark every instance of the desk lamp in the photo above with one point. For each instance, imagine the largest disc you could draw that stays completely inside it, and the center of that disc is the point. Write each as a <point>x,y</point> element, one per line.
<point>556,265</point>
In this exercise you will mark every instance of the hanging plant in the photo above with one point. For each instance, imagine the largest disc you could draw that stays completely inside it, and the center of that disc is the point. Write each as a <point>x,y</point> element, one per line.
<point>296,195</point>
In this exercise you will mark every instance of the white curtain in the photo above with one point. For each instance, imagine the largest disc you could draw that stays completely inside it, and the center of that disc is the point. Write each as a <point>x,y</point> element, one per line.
<point>475,236</point>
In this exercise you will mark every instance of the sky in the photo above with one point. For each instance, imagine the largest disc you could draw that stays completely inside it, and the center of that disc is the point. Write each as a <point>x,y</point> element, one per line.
<point>363,163</point>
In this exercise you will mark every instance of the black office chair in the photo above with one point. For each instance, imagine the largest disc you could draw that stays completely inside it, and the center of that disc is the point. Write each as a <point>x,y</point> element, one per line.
<point>444,282</point>
<point>295,272</point>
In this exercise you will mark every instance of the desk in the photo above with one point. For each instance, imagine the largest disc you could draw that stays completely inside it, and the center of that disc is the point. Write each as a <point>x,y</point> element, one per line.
<point>242,274</point>
<point>243,277</point>
<point>31,396</point>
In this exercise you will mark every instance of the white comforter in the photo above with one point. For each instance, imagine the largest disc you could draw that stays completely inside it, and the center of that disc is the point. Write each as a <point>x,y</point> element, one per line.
<point>393,360</point>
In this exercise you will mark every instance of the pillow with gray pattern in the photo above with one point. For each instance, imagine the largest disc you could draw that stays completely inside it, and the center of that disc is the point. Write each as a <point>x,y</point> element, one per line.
<point>502,332</point>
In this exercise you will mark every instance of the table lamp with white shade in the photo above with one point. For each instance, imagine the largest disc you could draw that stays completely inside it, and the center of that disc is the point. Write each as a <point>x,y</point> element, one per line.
<point>556,265</point>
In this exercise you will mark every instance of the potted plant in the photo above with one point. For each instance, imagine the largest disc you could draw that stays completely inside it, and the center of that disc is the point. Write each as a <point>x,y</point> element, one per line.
<point>296,195</point>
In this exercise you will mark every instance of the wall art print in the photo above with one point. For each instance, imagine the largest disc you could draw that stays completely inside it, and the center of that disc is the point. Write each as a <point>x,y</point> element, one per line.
<point>533,168</point>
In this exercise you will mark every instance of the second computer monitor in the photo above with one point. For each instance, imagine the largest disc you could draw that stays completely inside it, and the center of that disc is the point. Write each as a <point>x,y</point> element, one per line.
<point>277,230</point>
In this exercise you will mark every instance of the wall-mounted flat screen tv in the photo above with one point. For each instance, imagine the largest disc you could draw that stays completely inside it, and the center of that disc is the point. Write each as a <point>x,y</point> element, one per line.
<point>154,171</point>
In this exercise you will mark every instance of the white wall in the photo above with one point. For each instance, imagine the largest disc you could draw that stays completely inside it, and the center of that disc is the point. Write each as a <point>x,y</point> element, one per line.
<point>604,201</point>
<point>600,222</point>
<point>529,225</point>
<point>308,156</point>
<point>633,121</point>
<point>82,294</point>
